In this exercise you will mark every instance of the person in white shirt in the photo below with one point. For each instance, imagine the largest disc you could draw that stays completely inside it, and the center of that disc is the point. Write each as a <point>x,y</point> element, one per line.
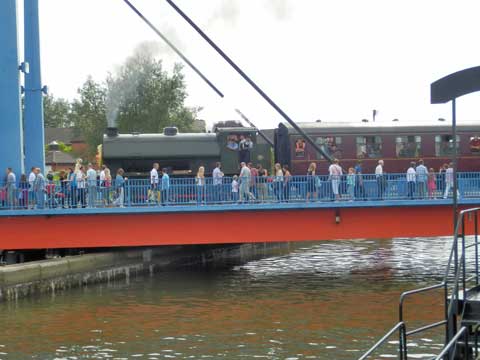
<point>235,188</point>
<point>381,181</point>
<point>154,179</point>
<point>31,180</point>
<point>245,177</point>
<point>81,186</point>
<point>449,181</point>
<point>422,177</point>
<point>102,176</point>
<point>11,187</point>
<point>92,185</point>
<point>411,178</point>
<point>335,172</point>
<point>217,175</point>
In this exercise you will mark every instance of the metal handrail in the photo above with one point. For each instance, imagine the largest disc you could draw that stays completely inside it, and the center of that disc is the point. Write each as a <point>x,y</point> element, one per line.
<point>460,275</point>
<point>426,327</point>
<point>454,342</point>
<point>401,327</point>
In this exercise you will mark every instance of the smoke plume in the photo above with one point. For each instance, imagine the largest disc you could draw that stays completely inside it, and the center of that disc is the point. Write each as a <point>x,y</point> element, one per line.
<point>122,85</point>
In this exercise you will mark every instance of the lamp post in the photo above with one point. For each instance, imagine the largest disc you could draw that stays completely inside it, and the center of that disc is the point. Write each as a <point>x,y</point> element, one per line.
<point>446,89</point>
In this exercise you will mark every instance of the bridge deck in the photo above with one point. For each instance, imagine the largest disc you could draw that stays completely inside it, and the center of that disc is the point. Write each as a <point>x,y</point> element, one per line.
<point>214,224</point>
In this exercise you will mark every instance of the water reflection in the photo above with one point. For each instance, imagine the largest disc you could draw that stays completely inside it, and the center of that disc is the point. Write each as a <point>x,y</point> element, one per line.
<point>327,300</point>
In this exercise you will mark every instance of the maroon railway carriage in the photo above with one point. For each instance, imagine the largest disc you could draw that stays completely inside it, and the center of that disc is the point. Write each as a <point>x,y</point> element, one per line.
<point>396,143</point>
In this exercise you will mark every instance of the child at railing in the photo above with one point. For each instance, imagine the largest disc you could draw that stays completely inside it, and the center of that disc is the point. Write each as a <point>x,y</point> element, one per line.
<point>431,183</point>
<point>235,187</point>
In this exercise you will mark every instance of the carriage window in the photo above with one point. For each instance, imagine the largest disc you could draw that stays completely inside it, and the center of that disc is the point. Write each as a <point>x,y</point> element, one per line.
<point>408,146</point>
<point>444,145</point>
<point>369,147</point>
<point>300,148</point>
<point>331,145</point>
<point>475,144</point>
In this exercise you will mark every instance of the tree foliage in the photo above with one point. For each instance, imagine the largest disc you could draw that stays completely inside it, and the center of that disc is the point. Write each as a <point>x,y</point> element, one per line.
<point>89,113</point>
<point>144,98</point>
<point>57,112</point>
<point>140,97</point>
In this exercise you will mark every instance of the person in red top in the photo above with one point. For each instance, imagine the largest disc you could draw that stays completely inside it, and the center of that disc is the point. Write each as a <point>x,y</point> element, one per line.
<point>253,179</point>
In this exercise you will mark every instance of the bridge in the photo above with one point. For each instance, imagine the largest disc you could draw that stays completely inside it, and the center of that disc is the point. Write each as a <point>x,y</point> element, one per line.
<point>192,214</point>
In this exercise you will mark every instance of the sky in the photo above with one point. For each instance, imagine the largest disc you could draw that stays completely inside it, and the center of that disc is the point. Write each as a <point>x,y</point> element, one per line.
<point>318,59</point>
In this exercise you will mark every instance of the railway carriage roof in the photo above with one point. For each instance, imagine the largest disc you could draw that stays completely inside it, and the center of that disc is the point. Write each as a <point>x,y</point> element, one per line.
<point>383,128</point>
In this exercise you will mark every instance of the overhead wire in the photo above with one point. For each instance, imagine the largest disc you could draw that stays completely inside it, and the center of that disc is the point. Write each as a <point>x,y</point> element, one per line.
<point>249,80</point>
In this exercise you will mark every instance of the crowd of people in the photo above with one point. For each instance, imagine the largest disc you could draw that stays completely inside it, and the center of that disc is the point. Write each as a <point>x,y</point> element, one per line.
<point>84,186</point>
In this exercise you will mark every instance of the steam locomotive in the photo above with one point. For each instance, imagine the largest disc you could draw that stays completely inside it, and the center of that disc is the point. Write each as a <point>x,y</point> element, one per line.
<point>183,153</point>
<point>397,143</point>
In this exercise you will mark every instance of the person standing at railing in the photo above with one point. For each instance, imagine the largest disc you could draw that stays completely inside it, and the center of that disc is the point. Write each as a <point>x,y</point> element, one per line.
<point>441,178</point>
<point>11,188</point>
<point>24,191</point>
<point>431,184</point>
<point>235,188</point>
<point>381,180</point>
<point>81,186</point>
<point>72,185</point>
<point>449,181</point>
<point>101,183</point>
<point>92,185</point>
<point>245,182</point>
<point>200,185</point>
<point>154,180</point>
<point>39,189</point>
<point>422,177</point>
<point>217,175</point>
<point>63,187</point>
<point>165,187</point>
<point>50,191</point>
<point>287,183</point>
<point>359,185</point>
<point>253,179</point>
<point>119,188</point>
<point>107,185</point>
<point>335,173</point>
<point>278,182</point>
<point>411,179</point>
<point>351,183</point>
<point>31,194</point>
<point>311,181</point>
<point>262,187</point>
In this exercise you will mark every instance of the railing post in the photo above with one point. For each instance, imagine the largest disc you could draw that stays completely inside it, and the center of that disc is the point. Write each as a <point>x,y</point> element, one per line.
<point>403,342</point>
<point>476,246</point>
<point>464,263</point>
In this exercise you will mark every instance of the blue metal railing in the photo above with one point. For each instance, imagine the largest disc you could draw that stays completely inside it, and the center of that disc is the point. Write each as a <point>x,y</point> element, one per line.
<point>269,189</point>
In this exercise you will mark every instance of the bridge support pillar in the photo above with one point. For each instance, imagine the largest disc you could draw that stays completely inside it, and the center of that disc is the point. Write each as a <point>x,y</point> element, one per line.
<point>33,132</point>
<point>11,136</point>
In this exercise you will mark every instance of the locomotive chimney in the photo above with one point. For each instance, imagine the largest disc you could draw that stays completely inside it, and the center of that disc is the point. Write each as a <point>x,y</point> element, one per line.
<point>112,131</point>
<point>170,131</point>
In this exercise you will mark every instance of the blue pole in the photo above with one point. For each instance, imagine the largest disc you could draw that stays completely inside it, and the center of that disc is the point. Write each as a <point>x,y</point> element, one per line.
<point>33,131</point>
<point>11,139</point>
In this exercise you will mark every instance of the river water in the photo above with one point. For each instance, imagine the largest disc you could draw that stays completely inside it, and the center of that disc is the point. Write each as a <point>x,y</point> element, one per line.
<point>328,300</point>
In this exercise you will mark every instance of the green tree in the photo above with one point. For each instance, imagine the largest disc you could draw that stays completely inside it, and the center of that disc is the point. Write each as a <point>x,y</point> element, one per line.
<point>89,113</point>
<point>57,112</point>
<point>142,97</point>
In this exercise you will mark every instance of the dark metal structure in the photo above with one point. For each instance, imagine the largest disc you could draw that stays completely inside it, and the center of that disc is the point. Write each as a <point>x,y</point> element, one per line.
<point>260,132</point>
<point>248,79</point>
<point>174,48</point>
<point>449,88</point>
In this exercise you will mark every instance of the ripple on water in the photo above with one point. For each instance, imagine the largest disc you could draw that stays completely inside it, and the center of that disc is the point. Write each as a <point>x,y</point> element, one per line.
<point>326,296</point>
